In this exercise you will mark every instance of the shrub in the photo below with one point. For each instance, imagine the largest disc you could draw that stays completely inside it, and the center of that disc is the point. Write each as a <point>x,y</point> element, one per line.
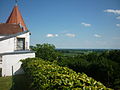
<point>45,75</point>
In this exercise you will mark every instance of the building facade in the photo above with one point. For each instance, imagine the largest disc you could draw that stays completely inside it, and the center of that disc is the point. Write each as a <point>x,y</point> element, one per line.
<point>14,44</point>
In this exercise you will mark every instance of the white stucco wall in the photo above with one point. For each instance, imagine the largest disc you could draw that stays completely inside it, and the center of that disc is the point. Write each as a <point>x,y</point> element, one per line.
<point>1,36</point>
<point>13,60</point>
<point>9,45</point>
<point>0,61</point>
<point>0,65</point>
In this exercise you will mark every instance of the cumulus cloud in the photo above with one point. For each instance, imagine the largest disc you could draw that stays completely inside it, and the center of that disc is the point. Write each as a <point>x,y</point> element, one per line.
<point>118,25</point>
<point>70,35</point>
<point>112,11</point>
<point>97,35</point>
<point>86,24</point>
<point>118,17</point>
<point>52,35</point>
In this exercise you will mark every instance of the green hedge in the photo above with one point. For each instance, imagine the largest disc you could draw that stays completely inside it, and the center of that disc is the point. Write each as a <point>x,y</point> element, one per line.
<point>45,75</point>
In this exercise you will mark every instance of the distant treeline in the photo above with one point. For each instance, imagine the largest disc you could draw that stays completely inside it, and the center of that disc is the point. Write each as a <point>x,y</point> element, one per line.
<point>82,51</point>
<point>101,64</point>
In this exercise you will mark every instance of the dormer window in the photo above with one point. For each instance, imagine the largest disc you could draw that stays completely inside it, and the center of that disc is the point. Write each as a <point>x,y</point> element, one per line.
<point>20,43</point>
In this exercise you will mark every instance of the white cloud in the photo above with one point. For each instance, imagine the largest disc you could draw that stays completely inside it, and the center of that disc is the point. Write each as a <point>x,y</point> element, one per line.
<point>97,35</point>
<point>70,35</point>
<point>56,35</point>
<point>52,35</point>
<point>112,11</point>
<point>49,35</point>
<point>86,24</point>
<point>118,25</point>
<point>118,17</point>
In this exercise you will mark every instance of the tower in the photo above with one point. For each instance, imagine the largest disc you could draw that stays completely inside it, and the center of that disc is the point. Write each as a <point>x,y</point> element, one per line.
<point>16,18</point>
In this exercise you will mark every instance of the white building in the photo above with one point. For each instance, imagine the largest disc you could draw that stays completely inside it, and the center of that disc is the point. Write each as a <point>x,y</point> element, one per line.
<point>14,43</point>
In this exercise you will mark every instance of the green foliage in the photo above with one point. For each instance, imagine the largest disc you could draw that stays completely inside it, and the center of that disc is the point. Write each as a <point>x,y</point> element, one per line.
<point>46,52</point>
<point>76,63</point>
<point>114,55</point>
<point>104,65</point>
<point>45,75</point>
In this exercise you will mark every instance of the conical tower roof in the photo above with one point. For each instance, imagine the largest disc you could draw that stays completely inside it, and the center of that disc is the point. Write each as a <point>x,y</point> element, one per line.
<point>16,18</point>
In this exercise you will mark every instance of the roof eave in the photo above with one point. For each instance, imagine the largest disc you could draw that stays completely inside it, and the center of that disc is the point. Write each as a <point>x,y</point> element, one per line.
<point>13,35</point>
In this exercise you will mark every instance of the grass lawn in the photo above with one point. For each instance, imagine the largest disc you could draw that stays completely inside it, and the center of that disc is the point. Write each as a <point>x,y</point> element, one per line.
<point>19,83</point>
<point>5,83</point>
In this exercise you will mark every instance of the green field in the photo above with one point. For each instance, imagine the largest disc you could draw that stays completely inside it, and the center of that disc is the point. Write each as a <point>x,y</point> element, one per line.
<point>73,52</point>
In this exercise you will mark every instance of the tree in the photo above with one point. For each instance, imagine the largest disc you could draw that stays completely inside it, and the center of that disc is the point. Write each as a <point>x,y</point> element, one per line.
<point>46,52</point>
<point>114,55</point>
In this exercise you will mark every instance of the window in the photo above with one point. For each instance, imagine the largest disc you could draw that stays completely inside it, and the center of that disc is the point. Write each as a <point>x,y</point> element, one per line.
<point>20,43</point>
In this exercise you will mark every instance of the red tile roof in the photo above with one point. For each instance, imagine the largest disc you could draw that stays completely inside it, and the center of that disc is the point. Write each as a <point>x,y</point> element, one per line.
<point>16,18</point>
<point>7,29</point>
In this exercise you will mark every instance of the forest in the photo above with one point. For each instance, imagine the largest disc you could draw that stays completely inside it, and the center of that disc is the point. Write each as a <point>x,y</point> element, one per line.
<point>103,65</point>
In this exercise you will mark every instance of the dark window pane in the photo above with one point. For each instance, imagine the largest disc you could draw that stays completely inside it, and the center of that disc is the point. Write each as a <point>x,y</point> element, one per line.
<point>20,43</point>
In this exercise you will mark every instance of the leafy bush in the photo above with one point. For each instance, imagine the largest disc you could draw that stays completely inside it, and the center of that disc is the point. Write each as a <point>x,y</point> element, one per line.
<point>45,75</point>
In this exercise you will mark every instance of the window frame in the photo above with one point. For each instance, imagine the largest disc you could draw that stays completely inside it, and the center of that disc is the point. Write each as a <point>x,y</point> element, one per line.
<point>23,47</point>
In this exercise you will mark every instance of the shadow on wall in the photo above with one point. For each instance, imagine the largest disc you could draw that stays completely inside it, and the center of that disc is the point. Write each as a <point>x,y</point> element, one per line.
<point>19,71</point>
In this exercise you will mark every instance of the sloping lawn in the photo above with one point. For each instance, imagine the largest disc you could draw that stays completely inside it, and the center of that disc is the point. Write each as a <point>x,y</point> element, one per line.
<point>5,83</point>
<point>19,83</point>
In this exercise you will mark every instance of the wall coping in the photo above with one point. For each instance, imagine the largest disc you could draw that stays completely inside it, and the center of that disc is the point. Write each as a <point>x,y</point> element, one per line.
<point>16,52</point>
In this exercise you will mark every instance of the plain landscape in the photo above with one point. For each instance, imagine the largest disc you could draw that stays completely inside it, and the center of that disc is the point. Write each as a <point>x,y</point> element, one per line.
<point>102,65</point>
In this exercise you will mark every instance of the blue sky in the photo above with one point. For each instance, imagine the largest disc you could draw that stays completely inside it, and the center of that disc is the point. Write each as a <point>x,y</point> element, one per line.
<point>69,23</point>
